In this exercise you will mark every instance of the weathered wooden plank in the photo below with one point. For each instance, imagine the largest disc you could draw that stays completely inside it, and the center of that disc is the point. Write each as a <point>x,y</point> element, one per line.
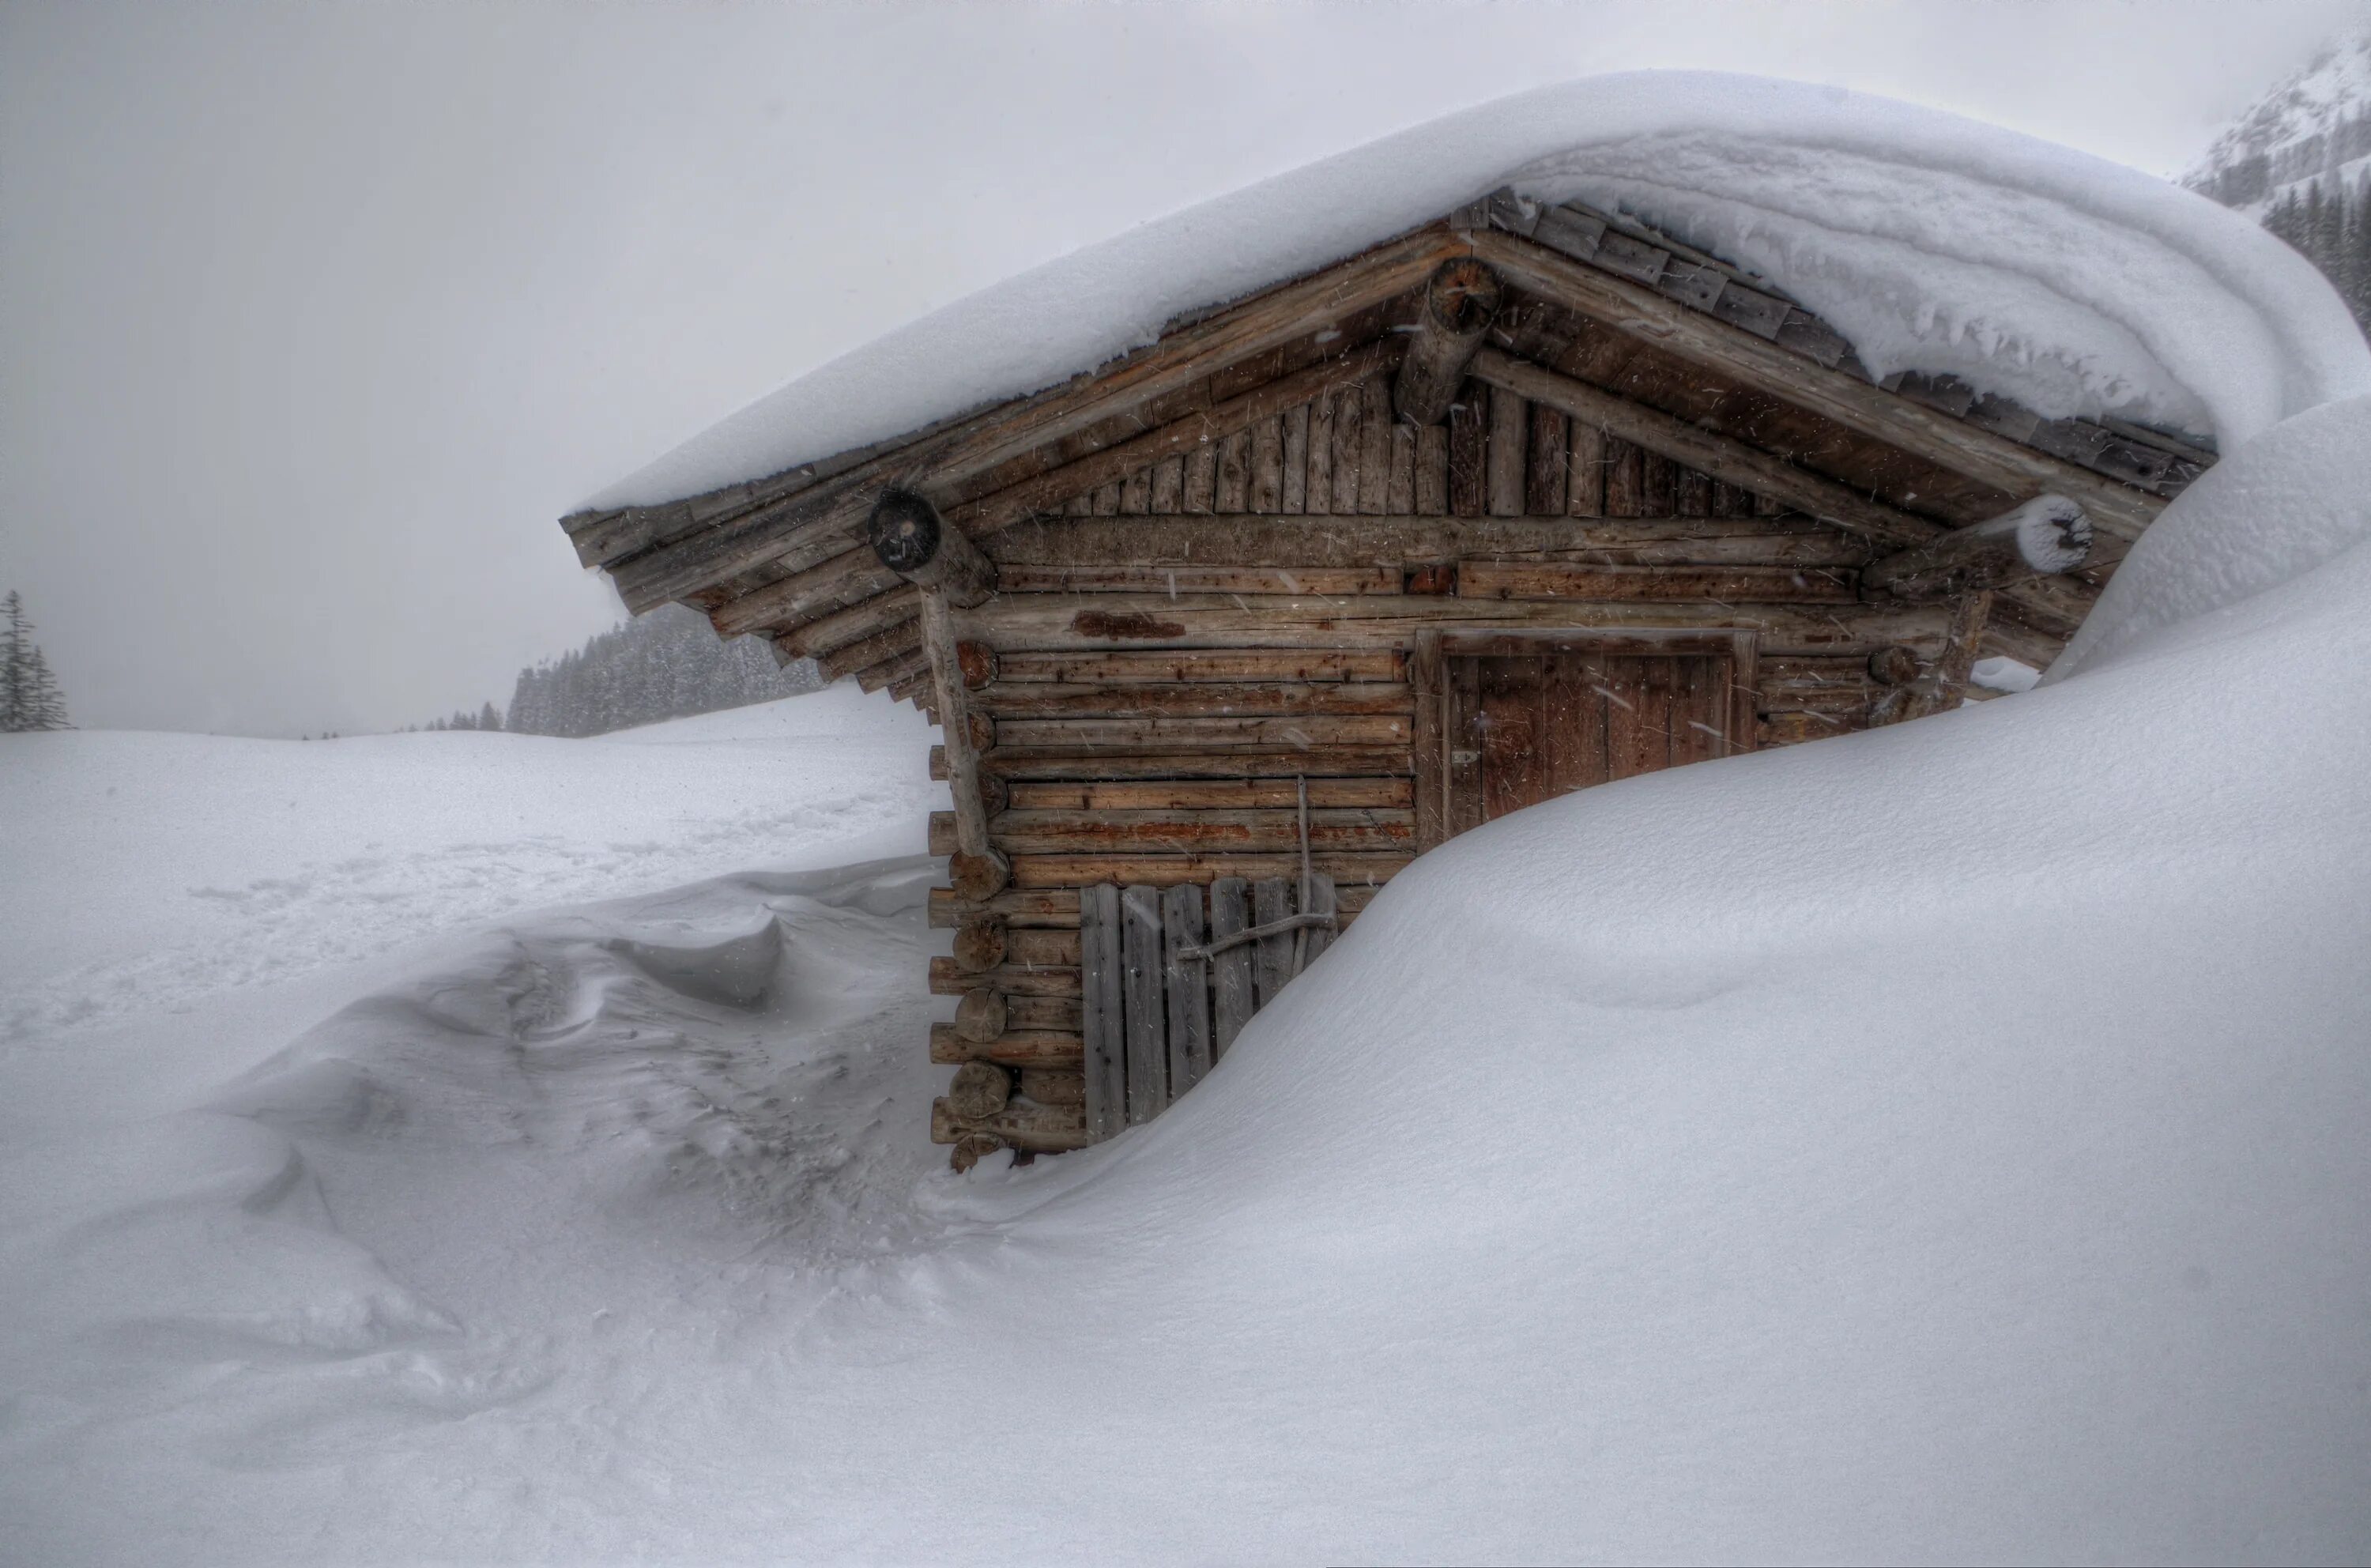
<point>891,671</point>
<point>1218,795</point>
<point>903,639</point>
<point>1014,1047</point>
<point>1956,444</point>
<point>1234,999</point>
<point>1399,494</point>
<point>1266,483</point>
<point>1509,430</point>
<point>829,633</point>
<point>1292,462</point>
<point>1136,493</point>
<point>1117,578</point>
<point>1390,620</point>
<point>1547,480</point>
<point>1161,733</point>
<point>1103,1010</point>
<point>1168,486</point>
<point>1585,470</point>
<point>1318,497</point>
<point>1375,449</point>
<point>1215,664</point>
<point>1187,981</point>
<point>1692,493</point>
<point>1367,542</point>
<point>1469,452</point>
<point>1042,947</point>
<point>1092,765</point>
<point>1625,474</point>
<point>1201,476</point>
<point>1430,491</point>
<point>1144,1007</point>
<point>1349,429</point>
<point>1272,963</point>
<point>1167,871</point>
<point>1359,828</point>
<point>1479,578</point>
<point>1429,783</point>
<point>1047,699</point>
<point>1059,1013</point>
<point>1232,492</point>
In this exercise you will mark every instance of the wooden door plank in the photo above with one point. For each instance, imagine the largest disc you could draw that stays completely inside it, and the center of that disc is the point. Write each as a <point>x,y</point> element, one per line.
<point>1272,964</point>
<point>1508,734</point>
<point>1231,985</point>
<point>1147,1011</point>
<point>1187,982</point>
<point>1102,1012</point>
<point>1509,427</point>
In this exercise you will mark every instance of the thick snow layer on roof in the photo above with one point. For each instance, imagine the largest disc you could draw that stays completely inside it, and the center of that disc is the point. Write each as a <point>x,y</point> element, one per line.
<point>1933,242</point>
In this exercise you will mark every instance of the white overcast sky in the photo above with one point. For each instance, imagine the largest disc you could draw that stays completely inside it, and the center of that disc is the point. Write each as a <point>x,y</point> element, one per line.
<point>315,317</point>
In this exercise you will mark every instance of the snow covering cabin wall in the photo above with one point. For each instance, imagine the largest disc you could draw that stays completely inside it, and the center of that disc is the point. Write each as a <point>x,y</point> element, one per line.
<point>2187,308</point>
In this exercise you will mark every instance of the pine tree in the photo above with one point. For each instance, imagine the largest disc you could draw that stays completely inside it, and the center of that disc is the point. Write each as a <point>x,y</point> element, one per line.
<point>489,718</point>
<point>29,698</point>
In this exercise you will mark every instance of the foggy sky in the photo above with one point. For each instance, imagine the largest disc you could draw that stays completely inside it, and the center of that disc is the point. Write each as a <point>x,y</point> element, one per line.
<point>313,318</point>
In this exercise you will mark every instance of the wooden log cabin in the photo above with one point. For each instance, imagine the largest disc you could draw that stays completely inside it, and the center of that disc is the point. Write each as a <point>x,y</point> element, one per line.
<point>1223,632</point>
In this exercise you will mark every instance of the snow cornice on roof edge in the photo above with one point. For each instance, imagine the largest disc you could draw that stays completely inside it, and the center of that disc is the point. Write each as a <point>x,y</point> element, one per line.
<point>2251,323</point>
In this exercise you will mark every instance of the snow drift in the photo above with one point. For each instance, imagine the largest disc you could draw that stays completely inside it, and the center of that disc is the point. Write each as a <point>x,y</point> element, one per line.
<point>1938,1143</point>
<point>1934,243</point>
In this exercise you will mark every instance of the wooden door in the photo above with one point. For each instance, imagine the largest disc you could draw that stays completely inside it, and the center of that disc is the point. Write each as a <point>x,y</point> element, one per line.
<point>1525,718</point>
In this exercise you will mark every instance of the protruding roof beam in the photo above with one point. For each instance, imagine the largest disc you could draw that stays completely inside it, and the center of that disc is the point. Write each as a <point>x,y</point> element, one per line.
<point>2046,535</point>
<point>1459,305</point>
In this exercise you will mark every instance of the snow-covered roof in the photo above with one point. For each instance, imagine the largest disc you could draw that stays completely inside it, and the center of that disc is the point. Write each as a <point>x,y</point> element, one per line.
<point>1932,243</point>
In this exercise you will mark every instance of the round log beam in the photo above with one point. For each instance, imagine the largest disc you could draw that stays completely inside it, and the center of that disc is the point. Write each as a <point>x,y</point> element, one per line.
<point>979,1090</point>
<point>978,878</point>
<point>1459,305</point>
<point>2045,535</point>
<point>912,541</point>
<point>1894,666</point>
<point>980,945</point>
<point>981,1016</point>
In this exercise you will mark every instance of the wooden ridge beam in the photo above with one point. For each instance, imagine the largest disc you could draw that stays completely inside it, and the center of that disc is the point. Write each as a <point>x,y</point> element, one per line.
<point>2119,509</point>
<point>1271,831</point>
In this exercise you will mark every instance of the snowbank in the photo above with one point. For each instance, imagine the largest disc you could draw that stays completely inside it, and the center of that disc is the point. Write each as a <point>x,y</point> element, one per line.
<point>1935,243</point>
<point>168,866</point>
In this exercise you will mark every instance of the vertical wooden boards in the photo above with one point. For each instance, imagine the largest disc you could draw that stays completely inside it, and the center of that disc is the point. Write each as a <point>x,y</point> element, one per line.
<point>1201,477</point>
<point>1294,482</point>
<point>1349,433</point>
<point>1585,472</point>
<point>1573,702</point>
<point>1624,478</point>
<point>1462,758</point>
<point>1657,485</point>
<point>1692,493</point>
<point>1319,498</point>
<point>1699,709</point>
<point>1510,428</point>
<point>1399,494</point>
<point>1317,939</point>
<point>1102,1009</point>
<point>1188,986</point>
<point>1546,483</point>
<point>1374,446</point>
<point>1272,964</point>
<point>1469,452</point>
<point>1146,1011</point>
<point>1136,493</point>
<point>1638,715</point>
<point>1230,972</point>
<point>1231,489</point>
<point>1431,490</point>
<point>1169,486</point>
<point>1510,733</point>
<point>1430,783</point>
<point>1266,488</point>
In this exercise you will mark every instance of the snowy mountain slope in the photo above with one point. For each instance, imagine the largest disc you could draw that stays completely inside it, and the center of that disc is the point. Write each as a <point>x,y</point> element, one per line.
<point>1938,1143</point>
<point>165,867</point>
<point>2065,282</point>
<point>2313,125</point>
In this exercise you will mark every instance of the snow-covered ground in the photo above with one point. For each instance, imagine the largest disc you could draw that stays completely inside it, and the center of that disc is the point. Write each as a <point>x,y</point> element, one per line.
<point>1940,1143</point>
